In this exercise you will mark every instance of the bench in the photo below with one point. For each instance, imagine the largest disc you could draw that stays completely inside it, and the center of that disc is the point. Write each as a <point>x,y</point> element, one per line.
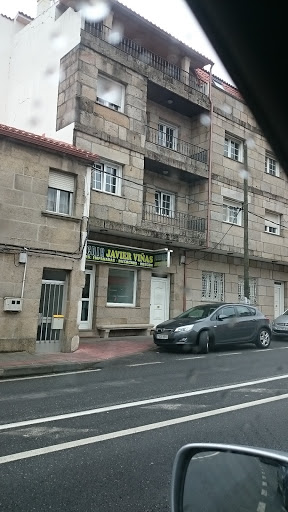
<point>104,330</point>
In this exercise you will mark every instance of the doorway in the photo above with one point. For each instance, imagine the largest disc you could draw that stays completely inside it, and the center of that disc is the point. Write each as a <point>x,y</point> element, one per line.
<point>51,303</point>
<point>159,299</point>
<point>86,313</point>
<point>278,298</point>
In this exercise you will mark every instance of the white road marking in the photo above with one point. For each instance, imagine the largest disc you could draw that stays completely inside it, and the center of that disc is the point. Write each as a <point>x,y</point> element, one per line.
<point>192,357</point>
<point>229,354</point>
<point>47,376</point>
<point>139,403</point>
<point>144,364</point>
<point>265,483</point>
<point>136,430</point>
<point>263,350</point>
<point>263,492</point>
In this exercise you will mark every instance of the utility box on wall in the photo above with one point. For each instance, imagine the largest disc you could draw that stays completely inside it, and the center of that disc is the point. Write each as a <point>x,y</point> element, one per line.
<point>13,304</point>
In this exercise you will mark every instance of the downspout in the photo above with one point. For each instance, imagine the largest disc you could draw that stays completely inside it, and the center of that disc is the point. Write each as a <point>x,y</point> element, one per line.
<point>209,162</point>
<point>184,283</point>
<point>84,227</point>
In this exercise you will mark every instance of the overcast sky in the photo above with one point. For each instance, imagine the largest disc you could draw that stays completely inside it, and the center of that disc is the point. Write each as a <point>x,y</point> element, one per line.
<point>177,20</point>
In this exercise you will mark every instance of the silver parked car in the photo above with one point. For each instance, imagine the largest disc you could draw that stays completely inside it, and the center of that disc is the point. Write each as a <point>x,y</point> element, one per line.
<point>280,326</point>
<point>207,325</point>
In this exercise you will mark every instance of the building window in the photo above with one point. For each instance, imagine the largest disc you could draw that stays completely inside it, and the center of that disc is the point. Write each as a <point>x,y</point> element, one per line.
<point>60,192</point>
<point>252,290</point>
<point>167,136</point>
<point>107,178</point>
<point>233,148</point>
<point>272,223</point>
<point>121,287</point>
<point>164,203</point>
<point>110,93</point>
<point>213,286</point>
<point>271,165</point>
<point>232,212</point>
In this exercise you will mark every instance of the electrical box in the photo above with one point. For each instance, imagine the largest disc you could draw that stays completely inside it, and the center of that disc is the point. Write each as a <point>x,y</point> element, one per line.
<point>57,322</point>
<point>23,257</point>
<point>13,304</point>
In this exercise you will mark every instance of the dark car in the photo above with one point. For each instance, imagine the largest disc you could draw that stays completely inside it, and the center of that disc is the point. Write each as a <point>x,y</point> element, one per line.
<point>207,325</point>
<point>280,326</point>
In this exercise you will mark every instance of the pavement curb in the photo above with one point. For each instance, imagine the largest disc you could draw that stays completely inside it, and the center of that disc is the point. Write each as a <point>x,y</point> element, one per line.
<point>23,371</point>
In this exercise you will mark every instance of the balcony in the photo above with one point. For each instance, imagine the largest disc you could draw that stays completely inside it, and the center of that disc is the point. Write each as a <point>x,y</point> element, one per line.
<point>174,223</point>
<point>179,146</point>
<point>163,152</point>
<point>130,47</point>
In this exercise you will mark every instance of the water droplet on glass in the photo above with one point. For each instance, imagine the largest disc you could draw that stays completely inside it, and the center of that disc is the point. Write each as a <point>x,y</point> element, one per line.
<point>33,121</point>
<point>116,34</point>
<point>94,10</point>
<point>37,104</point>
<point>57,40</point>
<point>250,143</point>
<point>205,120</point>
<point>244,174</point>
<point>226,108</point>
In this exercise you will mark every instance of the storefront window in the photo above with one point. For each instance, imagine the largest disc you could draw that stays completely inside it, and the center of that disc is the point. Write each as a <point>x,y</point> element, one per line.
<point>121,287</point>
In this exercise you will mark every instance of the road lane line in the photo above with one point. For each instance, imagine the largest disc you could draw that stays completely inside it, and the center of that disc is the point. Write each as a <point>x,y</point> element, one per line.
<point>192,357</point>
<point>148,401</point>
<point>136,430</point>
<point>229,354</point>
<point>16,379</point>
<point>144,364</point>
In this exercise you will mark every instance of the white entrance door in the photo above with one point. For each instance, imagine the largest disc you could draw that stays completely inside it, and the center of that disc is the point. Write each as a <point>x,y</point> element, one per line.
<point>159,300</point>
<point>278,298</point>
<point>86,312</point>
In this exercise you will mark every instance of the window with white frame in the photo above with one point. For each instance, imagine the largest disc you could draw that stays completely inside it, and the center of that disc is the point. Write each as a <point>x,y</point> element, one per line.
<point>106,177</point>
<point>213,286</point>
<point>167,136</point>
<point>110,93</point>
<point>252,290</point>
<point>271,165</point>
<point>232,212</point>
<point>121,290</point>
<point>233,148</point>
<point>164,203</point>
<point>272,223</point>
<point>61,188</point>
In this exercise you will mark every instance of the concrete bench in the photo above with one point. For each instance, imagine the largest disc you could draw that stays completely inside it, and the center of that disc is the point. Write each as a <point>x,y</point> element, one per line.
<point>104,330</point>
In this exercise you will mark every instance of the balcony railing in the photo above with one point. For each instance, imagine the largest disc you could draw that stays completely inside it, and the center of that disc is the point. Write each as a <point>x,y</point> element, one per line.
<point>184,221</point>
<point>180,146</point>
<point>139,52</point>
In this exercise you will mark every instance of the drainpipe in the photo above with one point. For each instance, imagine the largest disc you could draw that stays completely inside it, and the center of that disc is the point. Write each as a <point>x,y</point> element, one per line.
<point>209,162</point>
<point>184,282</point>
<point>84,227</point>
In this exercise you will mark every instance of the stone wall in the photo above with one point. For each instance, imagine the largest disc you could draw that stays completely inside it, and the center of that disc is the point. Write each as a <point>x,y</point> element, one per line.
<point>51,241</point>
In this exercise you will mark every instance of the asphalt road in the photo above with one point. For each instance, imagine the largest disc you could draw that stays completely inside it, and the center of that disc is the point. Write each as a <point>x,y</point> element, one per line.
<point>105,440</point>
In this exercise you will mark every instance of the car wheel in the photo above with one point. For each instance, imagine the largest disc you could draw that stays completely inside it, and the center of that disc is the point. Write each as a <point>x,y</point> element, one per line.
<point>263,338</point>
<point>203,342</point>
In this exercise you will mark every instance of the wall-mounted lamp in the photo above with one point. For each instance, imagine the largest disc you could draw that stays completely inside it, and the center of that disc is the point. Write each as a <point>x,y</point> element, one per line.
<point>182,259</point>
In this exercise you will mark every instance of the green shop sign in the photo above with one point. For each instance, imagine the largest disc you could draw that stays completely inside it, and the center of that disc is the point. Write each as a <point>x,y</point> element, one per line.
<point>125,256</point>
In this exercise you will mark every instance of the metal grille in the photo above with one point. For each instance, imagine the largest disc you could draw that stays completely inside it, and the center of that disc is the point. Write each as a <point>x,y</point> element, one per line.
<point>51,303</point>
<point>252,290</point>
<point>212,286</point>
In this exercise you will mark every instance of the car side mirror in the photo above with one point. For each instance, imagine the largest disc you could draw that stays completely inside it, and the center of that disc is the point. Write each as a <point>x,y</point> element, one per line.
<point>222,317</point>
<point>209,477</point>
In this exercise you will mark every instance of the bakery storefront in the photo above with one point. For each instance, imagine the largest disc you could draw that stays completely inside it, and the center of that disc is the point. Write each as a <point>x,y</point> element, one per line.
<point>124,286</point>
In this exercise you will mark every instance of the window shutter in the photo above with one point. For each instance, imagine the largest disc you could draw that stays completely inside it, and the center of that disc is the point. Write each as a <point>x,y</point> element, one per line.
<point>61,181</point>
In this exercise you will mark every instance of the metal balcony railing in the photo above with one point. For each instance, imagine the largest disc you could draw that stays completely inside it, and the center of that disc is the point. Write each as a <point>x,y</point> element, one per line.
<point>180,146</point>
<point>139,52</point>
<point>184,221</point>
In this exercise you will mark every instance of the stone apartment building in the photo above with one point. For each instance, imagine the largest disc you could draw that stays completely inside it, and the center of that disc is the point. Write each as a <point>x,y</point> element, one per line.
<point>44,197</point>
<point>166,205</point>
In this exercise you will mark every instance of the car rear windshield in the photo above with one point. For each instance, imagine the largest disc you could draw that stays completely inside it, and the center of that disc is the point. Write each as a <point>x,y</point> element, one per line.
<point>198,312</point>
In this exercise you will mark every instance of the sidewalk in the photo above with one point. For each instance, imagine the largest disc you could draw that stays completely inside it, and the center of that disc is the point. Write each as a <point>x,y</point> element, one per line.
<point>90,353</point>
